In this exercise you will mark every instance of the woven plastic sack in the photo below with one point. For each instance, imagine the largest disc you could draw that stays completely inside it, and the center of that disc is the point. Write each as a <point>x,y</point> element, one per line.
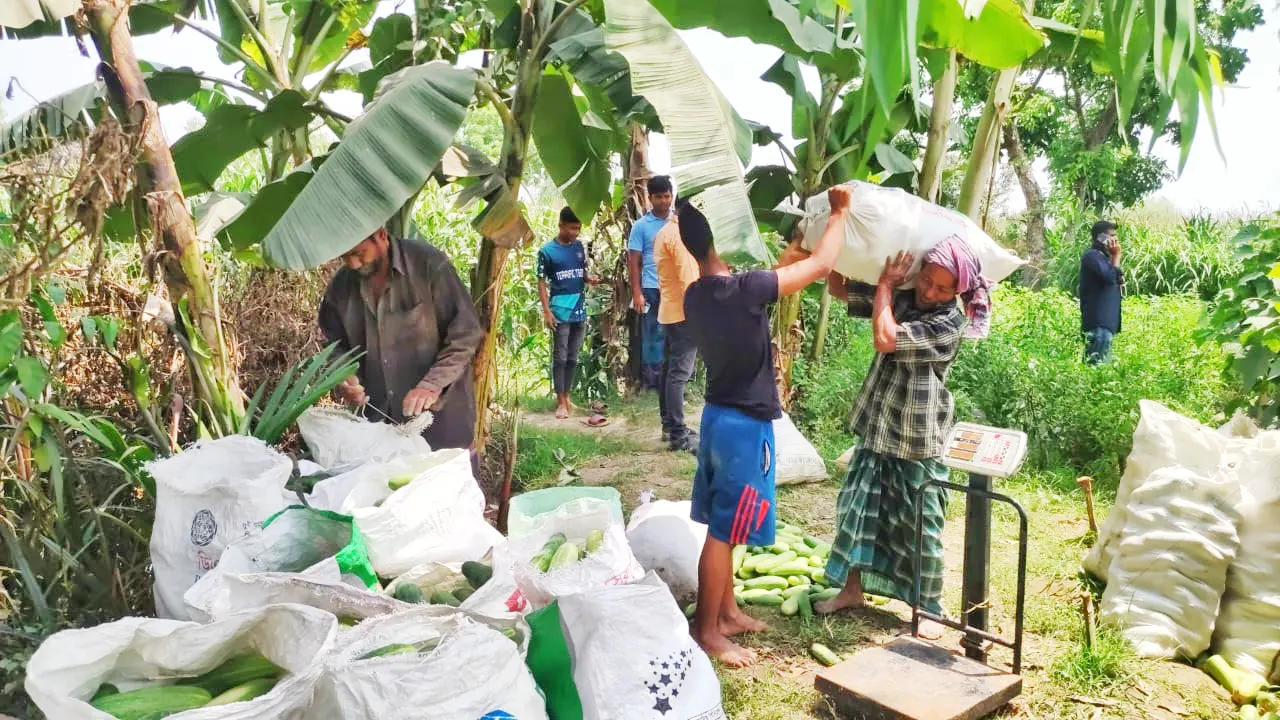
<point>798,460</point>
<point>297,553</point>
<point>68,668</point>
<point>633,656</point>
<point>338,438</point>
<point>207,497</point>
<point>612,564</point>
<point>1170,565</point>
<point>884,221</point>
<point>665,540</point>
<point>1248,630</point>
<point>475,672</point>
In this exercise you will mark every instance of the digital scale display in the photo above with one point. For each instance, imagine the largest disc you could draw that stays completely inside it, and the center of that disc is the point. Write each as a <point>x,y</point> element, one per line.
<point>994,452</point>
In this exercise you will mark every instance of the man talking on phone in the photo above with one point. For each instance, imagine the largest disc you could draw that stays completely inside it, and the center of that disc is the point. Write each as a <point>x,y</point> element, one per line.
<point>1101,286</point>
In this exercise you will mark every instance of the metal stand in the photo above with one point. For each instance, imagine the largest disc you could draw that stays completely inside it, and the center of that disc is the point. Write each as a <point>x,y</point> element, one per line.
<point>977,562</point>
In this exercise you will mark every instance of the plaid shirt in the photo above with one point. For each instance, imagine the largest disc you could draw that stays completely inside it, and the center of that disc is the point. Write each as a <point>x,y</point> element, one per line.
<point>904,409</point>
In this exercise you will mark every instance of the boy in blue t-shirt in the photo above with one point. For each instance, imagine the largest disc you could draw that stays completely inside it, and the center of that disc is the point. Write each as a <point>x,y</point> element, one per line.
<point>562,282</point>
<point>733,492</point>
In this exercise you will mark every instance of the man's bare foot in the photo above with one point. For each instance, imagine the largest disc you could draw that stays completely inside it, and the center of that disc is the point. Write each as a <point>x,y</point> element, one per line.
<point>740,622</point>
<point>930,630</point>
<point>845,600</point>
<point>562,412</point>
<point>725,650</point>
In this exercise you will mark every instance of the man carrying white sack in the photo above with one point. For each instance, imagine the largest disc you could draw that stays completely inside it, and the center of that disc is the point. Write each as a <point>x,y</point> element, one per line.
<point>902,416</point>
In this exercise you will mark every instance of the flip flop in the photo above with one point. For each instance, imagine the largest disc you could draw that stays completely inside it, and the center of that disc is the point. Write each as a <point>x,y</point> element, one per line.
<point>596,421</point>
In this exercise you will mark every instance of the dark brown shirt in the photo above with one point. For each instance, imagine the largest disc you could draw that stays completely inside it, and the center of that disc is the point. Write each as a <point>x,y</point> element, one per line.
<point>422,330</point>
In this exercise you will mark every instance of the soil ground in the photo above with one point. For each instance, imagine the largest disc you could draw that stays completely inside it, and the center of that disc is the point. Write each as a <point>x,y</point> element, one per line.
<point>1061,678</point>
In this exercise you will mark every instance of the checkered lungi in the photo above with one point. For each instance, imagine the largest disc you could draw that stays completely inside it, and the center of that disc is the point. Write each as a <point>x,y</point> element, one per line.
<point>876,535</point>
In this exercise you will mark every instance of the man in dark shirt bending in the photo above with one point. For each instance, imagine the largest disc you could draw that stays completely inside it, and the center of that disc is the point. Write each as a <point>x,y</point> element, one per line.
<point>402,302</point>
<point>1101,286</point>
<point>733,491</point>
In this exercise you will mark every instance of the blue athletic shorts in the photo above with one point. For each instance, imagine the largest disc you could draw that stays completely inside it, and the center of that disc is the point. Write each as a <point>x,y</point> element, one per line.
<point>733,491</point>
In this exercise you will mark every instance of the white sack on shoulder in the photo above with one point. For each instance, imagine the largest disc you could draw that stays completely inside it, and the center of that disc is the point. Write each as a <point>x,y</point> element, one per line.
<point>797,459</point>
<point>633,655</point>
<point>1248,631</point>
<point>136,652</point>
<point>611,564</point>
<point>665,540</point>
<point>207,497</point>
<point>474,671</point>
<point>884,221</point>
<point>1170,565</point>
<point>437,517</point>
<point>338,438</point>
<point>1163,439</point>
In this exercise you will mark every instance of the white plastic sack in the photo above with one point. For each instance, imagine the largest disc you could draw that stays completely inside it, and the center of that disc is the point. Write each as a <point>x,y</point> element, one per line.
<point>437,517</point>
<point>135,652</point>
<point>499,597</point>
<point>474,673</point>
<point>338,438</point>
<point>1248,632</point>
<point>666,541</point>
<point>1163,439</point>
<point>633,656</point>
<point>292,560</point>
<point>611,564</point>
<point>207,497</point>
<point>884,221</point>
<point>798,460</point>
<point>1170,565</point>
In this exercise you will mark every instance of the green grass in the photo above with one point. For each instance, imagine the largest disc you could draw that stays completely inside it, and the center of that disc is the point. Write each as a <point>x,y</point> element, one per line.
<point>543,454</point>
<point>1096,670</point>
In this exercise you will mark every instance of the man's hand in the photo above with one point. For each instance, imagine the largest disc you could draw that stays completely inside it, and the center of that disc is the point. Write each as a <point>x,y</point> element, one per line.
<point>897,269</point>
<point>792,254</point>
<point>637,303</point>
<point>351,392</point>
<point>418,400</point>
<point>839,196</point>
<point>1115,252</point>
<point>549,318</point>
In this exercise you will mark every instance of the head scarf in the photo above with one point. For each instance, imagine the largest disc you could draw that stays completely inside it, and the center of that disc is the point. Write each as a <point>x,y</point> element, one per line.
<point>956,257</point>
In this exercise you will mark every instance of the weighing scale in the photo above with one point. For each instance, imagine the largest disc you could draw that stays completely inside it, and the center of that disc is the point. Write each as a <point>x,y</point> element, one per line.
<point>914,679</point>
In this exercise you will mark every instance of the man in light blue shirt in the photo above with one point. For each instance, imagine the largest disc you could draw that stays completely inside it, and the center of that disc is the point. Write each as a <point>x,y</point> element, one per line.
<point>644,278</point>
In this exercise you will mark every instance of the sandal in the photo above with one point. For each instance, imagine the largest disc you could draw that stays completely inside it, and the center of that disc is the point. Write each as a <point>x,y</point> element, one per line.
<point>596,421</point>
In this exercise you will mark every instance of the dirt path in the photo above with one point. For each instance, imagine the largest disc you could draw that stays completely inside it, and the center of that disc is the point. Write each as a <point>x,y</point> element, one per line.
<point>1058,681</point>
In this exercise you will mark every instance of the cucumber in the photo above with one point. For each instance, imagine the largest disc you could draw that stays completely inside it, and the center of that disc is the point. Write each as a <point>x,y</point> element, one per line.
<point>387,650</point>
<point>236,671</point>
<point>410,593</point>
<point>594,540</point>
<point>691,609</point>
<point>567,554</point>
<point>104,690</point>
<point>542,560</point>
<point>815,561</point>
<point>766,566</point>
<point>805,605</point>
<point>244,692</point>
<point>791,606</point>
<point>779,547</point>
<point>823,654</point>
<point>444,597</point>
<point>795,580</point>
<point>769,582</point>
<point>739,554</point>
<point>399,481</point>
<point>824,594</point>
<point>812,541</point>
<point>774,600</point>
<point>476,573</point>
<point>161,701</point>
<point>793,591</point>
<point>752,593</point>
<point>798,566</point>
<point>819,575</point>
<point>463,593</point>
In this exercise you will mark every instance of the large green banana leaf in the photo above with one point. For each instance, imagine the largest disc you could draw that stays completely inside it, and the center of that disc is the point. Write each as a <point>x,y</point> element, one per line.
<point>702,128</point>
<point>385,157</point>
<point>231,131</point>
<point>565,147</point>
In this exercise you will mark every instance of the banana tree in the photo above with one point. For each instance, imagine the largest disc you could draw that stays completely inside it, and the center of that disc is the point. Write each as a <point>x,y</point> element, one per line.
<point>1131,37</point>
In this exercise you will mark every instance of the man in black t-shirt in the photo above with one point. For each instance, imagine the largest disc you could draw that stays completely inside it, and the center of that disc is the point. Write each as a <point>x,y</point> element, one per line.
<point>733,491</point>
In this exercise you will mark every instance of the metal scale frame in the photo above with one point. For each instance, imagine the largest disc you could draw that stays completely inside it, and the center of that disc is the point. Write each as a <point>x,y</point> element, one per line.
<point>915,679</point>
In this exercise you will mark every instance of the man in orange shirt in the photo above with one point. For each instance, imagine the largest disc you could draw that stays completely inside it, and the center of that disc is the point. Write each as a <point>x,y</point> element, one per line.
<point>677,270</point>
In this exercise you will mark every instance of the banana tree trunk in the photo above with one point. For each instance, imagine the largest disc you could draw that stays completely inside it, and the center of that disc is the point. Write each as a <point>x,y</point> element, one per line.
<point>490,274</point>
<point>824,319</point>
<point>635,181</point>
<point>986,146</point>
<point>213,373</point>
<point>944,95</point>
<point>1032,274</point>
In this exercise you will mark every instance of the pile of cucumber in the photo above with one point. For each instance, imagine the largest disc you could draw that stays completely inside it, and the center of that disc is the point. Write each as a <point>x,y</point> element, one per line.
<point>790,574</point>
